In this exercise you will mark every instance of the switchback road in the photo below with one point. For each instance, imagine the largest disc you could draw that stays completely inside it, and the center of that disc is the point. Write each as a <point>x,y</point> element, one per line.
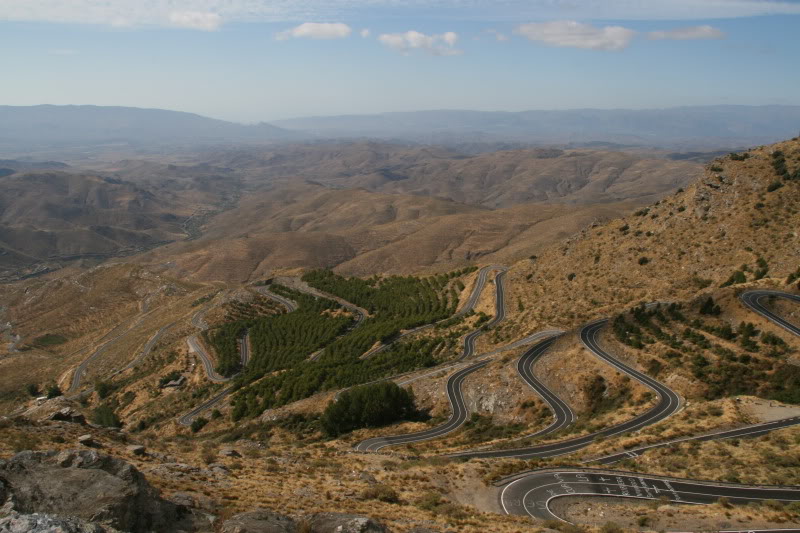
<point>469,305</point>
<point>287,303</point>
<point>457,418</point>
<point>454,393</point>
<point>755,301</point>
<point>532,493</point>
<point>500,315</point>
<point>668,403</point>
<point>744,432</point>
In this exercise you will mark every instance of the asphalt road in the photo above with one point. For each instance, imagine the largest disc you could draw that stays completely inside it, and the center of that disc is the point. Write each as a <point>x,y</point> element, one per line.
<point>80,370</point>
<point>198,349</point>
<point>480,283</point>
<point>499,316</point>
<point>188,418</point>
<point>533,493</point>
<point>562,414</point>
<point>668,403</point>
<point>755,301</point>
<point>287,303</point>
<point>146,349</point>
<point>457,418</point>
<point>454,393</point>
<point>244,348</point>
<point>744,432</point>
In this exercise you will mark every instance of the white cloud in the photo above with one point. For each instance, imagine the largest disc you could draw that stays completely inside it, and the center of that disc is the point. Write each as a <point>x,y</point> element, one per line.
<point>439,45</point>
<point>570,33</point>
<point>685,34</point>
<point>195,20</point>
<point>497,35</point>
<point>316,30</point>
<point>365,33</point>
<point>157,12</point>
<point>63,52</point>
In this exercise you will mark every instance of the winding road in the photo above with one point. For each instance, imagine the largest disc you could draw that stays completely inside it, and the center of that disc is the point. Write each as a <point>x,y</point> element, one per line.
<point>287,303</point>
<point>532,493</point>
<point>747,431</point>
<point>469,305</point>
<point>244,346</point>
<point>81,369</point>
<point>500,314</point>
<point>457,418</point>
<point>753,300</point>
<point>562,414</point>
<point>669,402</point>
<point>454,383</point>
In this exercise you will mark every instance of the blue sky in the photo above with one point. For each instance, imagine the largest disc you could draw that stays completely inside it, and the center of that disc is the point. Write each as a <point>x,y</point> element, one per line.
<point>255,60</point>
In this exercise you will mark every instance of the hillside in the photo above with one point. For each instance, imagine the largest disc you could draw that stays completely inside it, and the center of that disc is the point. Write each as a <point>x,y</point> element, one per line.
<point>49,217</point>
<point>742,215</point>
<point>59,127</point>
<point>494,179</point>
<point>267,444</point>
<point>359,232</point>
<point>360,207</point>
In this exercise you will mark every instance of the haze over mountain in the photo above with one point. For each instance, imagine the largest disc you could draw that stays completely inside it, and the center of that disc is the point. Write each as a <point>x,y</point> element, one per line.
<point>51,126</point>
<point>680,127</point>
<point>78,128</point>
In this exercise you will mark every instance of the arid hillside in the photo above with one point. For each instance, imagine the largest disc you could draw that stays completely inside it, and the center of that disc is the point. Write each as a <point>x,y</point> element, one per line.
<point>360,207</point>
<point>49,216</point>
<point>742,216</point>
<point>358,232</point>
<point>495,179</point>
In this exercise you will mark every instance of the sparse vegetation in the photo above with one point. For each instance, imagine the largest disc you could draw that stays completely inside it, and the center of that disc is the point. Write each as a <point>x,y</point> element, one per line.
<point>198,424</point>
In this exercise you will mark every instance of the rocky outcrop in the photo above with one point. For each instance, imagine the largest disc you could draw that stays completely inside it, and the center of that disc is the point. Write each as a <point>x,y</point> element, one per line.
<point>259,522</point>
<point>344,523</point>
<point>264,521</point>
<point>87,485</point>
<point>43,523</point>
<point>68,414</point>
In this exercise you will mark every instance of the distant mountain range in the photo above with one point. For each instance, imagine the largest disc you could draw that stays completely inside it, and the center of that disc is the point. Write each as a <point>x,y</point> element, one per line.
<point>684,128</point>
<point>700,127</point>
<point>50,126</point>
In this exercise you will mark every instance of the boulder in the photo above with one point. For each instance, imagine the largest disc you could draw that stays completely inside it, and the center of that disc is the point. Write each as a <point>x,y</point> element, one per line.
<point>344,523</point>
<point>68,414</point>
<point>88,485</point>
<point>195,500</point>
<point>86,440</point>
<point>219,468</point>
<point>261,521</point>
<point>136,449</point>
<point>43,523</point>
<point>229,452</point>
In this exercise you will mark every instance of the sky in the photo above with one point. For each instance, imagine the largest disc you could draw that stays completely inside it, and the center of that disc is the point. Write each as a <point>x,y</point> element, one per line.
<point>260,60</point>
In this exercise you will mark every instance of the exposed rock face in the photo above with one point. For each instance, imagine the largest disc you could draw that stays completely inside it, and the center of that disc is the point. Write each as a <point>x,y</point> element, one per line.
<point>344,523</point>
<point>42,523</point>
<point>68,414</point>
<point>87,485</point>
<point>259,522</point>
<point>270,522</point>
